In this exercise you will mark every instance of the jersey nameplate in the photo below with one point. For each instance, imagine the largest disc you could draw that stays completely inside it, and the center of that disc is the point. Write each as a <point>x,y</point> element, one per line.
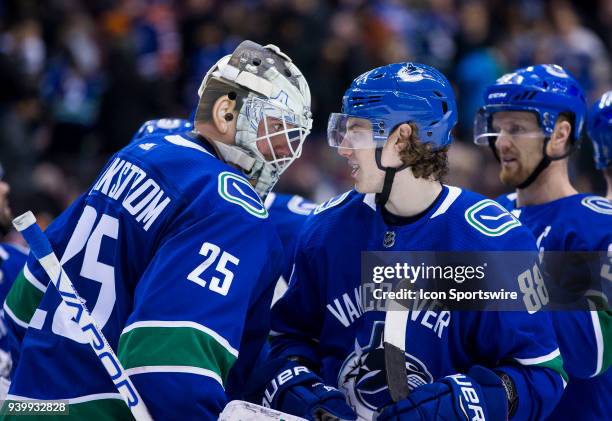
<point>238,191</point>
<point>490,218</point>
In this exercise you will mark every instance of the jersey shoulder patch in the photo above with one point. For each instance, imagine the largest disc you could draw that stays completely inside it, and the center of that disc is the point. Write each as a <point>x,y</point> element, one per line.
<point>490,218</point>
<point>237,190</point>
<point>334,201</point>
<point>299,205</point>
<point>597,204</point>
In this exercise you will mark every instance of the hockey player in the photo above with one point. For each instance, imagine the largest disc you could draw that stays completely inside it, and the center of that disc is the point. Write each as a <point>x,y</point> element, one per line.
<point>599,127</point>
<point>12,258</point>
<point>287,212</point>
<point>394,131</point>
<point>532,120</point>
<point>163,127</point>
<point>173,251</point>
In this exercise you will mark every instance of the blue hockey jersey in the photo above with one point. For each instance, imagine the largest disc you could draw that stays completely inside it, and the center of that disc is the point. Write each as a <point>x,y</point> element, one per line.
<point>320,318</point>
<point>176,258</point>
<point>12,259</point>
<point>288,213</point>
<point>580,222</point>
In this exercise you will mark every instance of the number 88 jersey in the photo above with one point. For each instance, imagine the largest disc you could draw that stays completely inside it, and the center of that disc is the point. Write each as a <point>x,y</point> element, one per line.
<point>578,223</point>
<point>173,252</point>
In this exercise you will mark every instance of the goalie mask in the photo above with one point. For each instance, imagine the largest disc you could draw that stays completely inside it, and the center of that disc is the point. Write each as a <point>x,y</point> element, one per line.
<point>274,117</point>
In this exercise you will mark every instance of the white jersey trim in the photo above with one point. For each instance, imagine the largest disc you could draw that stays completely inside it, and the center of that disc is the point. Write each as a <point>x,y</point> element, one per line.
<point>167,323</point>
<point>539,360</point>
<point>175,369</point>
<point>269,200</point>
<point>32,279</point>
<point>181,141</point>
<point>598,340</point>
<point>72,401</point>
<point>453,194</point>
<point>370,200</point>
<point>17,320</point>
<point>3,253</point>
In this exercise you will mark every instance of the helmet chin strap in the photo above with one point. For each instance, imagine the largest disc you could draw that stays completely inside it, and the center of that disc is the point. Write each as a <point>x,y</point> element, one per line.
<point>383,196</point>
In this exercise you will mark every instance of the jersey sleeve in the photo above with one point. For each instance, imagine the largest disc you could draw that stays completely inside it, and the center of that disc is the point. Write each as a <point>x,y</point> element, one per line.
<point>21,304</point>
<point>297,316</point>
<point>193,314</point>
<point>585,337</point>
<point>529,355</point>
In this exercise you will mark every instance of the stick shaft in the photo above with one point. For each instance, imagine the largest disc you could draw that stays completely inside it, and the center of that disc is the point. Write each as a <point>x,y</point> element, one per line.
<point>42,250</point>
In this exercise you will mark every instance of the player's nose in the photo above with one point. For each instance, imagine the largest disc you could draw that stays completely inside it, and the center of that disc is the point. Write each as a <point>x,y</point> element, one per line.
<point>281,149</point>
<point>503,142</point>
<point>345,152</point>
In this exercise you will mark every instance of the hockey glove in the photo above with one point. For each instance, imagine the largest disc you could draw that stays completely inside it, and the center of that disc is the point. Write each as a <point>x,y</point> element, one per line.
<point>293,388</point>
<point>480,395</point>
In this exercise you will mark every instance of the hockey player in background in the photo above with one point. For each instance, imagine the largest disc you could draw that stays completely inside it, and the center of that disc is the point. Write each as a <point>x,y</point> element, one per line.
<point>532,120</point>
<point>12,258</point>
<point>394,130</point>
<point>174,253</point>
<point>599,125</point>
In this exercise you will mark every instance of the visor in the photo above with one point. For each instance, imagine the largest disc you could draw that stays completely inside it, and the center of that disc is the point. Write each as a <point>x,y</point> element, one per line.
<point>486,132</point>
<point>350,132</point>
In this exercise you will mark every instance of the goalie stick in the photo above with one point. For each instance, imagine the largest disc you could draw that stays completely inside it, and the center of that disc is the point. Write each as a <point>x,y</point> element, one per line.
<point>396,320</point>
<point>42,250</point>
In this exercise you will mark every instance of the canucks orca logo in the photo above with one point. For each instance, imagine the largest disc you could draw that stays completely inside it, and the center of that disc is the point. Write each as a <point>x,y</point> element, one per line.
<point>598,204</point>
<point>237,190</point>
<point>490,218</point>
<point>363,380</point>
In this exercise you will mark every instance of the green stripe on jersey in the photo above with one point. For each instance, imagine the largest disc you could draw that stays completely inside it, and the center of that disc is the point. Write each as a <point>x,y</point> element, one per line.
<point>555,364</point>
<point>605,321</point>
<point>23,298</point>
<point>174,346</point>
<point>97,410</point>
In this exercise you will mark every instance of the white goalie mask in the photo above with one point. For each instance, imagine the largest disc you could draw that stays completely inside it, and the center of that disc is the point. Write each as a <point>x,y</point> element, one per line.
<point>275,116</point>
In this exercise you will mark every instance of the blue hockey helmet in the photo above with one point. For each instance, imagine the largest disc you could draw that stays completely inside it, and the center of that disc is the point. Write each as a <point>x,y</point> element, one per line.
<point>547,90</point>
<point>163,127</point>
<point>599,127</point>
<point>388,96</point>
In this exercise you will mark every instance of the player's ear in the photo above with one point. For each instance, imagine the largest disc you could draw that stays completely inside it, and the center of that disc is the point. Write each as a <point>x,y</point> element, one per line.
<point>224,114</point>
<point>559,141</point>
<point>404,131</point>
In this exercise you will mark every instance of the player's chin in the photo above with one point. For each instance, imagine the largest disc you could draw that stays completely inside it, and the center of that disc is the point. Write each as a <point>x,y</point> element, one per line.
<point>511,178</point>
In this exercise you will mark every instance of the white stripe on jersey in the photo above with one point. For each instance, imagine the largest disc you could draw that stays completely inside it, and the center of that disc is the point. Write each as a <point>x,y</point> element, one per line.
<point>539,360</point>
<point>598,340</point>
<point>453,194</point>
<point>17,320</point>
<point>175,369</point>
<point>32,279</point>
<point>72,401</point>
<point>167,323</point>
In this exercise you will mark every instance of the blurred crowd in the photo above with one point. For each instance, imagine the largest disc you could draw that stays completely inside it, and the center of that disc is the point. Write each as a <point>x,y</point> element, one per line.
<point>79,77</point>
